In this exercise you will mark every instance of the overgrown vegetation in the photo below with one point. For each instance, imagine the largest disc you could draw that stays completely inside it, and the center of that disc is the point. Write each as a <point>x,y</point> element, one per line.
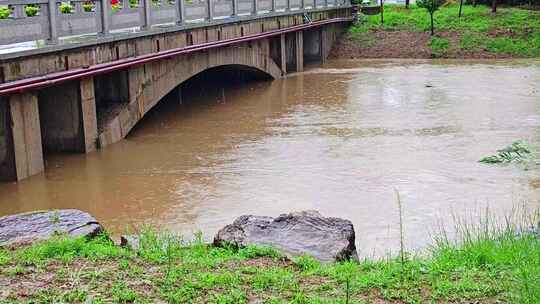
<point>489,265</point>
<point>518,152</point>
<point>431,6</point>
<point>478,33</point>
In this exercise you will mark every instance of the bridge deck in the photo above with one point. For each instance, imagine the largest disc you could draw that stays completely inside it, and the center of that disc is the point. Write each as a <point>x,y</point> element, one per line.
<point>56,30</point>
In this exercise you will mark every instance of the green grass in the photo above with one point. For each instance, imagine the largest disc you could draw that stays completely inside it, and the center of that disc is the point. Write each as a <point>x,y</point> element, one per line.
<point>487,266</point>
<point>512,31</point>
<point>439,46</point>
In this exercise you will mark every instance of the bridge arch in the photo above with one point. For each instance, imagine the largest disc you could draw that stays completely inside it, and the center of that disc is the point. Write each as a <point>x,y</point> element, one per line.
<point>146,85</point>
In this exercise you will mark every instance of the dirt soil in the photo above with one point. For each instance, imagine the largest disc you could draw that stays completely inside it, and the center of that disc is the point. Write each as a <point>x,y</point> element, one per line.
<point>401,44</point>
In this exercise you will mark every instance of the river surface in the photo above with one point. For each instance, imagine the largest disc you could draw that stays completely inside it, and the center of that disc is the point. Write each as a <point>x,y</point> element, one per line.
<point>341,139</point>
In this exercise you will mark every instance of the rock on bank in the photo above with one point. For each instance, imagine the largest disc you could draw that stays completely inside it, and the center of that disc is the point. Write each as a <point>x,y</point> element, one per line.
<point>40,225</point>
<point>327,239</point>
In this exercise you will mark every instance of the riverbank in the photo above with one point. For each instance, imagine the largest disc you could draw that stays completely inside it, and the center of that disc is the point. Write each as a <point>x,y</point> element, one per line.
<point>494,267</point>
<point>511,33</point>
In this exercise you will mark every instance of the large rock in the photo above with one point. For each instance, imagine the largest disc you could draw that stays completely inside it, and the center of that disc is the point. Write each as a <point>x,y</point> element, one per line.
<point>40,225</point>
<point>327,239</point>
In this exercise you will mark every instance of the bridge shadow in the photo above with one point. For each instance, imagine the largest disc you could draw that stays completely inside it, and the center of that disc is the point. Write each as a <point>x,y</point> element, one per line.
<point>201,92</point>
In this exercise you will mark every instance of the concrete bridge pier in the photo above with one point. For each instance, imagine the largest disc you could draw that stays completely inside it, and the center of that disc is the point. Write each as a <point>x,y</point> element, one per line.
<point>21,153</point>
<point>68,117</point>
<point>294,53</point>
<point>57,119</point>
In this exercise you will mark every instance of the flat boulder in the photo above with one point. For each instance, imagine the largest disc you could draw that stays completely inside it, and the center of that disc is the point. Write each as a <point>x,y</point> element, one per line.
<point>327,239</point>
<point>28,227</point>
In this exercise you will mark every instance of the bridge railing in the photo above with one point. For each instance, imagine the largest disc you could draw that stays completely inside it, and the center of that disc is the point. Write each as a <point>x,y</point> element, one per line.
<point>49,20</point>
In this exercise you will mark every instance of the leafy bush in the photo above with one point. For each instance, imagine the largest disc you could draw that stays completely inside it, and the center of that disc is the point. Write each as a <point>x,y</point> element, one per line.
<point>66,8</point>
<point>88,6</point>
<point>31,10</point>
<point>431,6</point>
<point>4,12</point>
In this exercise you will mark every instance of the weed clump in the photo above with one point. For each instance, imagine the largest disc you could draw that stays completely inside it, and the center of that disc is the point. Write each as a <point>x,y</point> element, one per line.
<point>517,152</point>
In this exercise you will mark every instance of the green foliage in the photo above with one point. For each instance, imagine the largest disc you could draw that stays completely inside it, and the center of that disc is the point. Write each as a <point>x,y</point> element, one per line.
<point>486,265</point>
<point>516,152</point>
<point>4,12</point>
<point>512,31</point>
<point>430,5</point>
<point>123,294</point>
<point>66,8</point>
<point>439,46</point>
<point>31,10</point>
<point>88,6</point>
<point>65,249</point>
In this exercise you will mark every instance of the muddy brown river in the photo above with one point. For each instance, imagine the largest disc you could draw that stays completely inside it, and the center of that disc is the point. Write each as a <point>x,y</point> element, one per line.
<point>340,139</point>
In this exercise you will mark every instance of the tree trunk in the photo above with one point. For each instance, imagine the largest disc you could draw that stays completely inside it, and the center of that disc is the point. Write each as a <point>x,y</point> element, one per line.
<point>494,6</point>
<point>432,26</point>
<point>382,12</point>
<point>407,3</point>
<point>460,6</point>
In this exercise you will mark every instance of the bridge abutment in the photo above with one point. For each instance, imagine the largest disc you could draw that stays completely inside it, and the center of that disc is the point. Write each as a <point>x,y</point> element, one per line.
<point>68,117</point>
<point>313,45</point>
<point>7,161</point>
<point>21,153</point>
<point>299,50</point>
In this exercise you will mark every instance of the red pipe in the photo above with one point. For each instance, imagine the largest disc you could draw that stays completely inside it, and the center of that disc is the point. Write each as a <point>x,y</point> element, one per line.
<point>33,83</point>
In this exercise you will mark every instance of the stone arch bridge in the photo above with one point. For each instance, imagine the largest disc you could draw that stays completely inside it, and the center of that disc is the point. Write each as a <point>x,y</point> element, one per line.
<point>81,93</point>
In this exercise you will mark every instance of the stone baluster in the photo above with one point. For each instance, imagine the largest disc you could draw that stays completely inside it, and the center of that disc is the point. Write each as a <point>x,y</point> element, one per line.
<point>147,9</point>
<point>78,7</point>
<point>104,7</point>
<point>53,25</point>
<point>18,12</point>
<point>181,12</point>
<point>210,9</point>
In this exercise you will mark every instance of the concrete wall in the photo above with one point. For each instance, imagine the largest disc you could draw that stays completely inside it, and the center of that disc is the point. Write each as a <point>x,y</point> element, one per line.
<point>312,45</point>
<point>290,52</point>
<point>60,118</point>
<point>111,88</point>
<point>7,162</point>
<point>25,135</point>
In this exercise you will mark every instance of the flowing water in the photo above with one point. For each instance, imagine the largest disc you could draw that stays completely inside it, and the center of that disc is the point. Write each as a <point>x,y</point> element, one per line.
<point>341,139</point>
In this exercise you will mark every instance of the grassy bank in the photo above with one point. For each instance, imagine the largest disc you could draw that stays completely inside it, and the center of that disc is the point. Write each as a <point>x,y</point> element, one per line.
<point>497,266</point>
<point>512,32</point>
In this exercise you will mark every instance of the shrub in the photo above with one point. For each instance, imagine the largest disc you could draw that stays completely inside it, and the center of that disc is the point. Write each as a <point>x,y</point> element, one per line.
<point>31,10</point>
<point>66,8</point>
<point>4,12</point>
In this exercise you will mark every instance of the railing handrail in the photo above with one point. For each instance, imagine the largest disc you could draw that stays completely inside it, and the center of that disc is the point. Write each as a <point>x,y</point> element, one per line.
<point>45,21</point>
